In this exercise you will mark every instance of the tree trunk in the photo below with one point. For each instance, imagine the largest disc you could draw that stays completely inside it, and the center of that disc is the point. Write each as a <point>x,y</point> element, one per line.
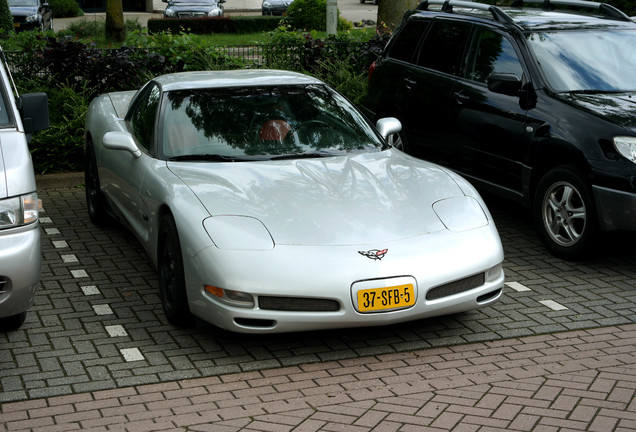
<point>115,27</point>
<point>390,12</point>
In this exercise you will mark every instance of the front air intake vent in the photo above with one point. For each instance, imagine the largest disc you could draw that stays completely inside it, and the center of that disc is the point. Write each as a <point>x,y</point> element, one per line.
<point>298,304</point>
<point>455,287</point>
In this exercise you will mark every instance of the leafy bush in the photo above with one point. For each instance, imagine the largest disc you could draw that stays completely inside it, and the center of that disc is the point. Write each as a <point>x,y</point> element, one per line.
<point>308,14</point>
<point>6,20</point>
<point>65,8</point>
<point>60,147</point>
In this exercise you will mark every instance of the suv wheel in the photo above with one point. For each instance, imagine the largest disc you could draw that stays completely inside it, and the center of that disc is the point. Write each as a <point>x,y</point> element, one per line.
<point>564,212</point>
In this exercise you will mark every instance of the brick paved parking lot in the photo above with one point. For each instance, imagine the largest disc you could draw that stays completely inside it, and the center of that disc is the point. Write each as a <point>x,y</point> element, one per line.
<point>557,353</point>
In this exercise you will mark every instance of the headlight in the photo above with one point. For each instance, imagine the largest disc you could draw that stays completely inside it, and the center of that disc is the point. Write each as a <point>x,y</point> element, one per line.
<point>32,19</point>
<point>215,12</point>
<point>169,13</point>
<point>18,211</point>
<point>267,5</point>
<point>626,146</point>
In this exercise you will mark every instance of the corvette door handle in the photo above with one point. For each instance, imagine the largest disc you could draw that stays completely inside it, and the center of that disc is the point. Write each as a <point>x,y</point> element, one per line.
<point>409,83</point>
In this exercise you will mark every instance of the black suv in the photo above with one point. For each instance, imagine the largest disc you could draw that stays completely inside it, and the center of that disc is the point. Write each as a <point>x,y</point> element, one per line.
<point>537,104</point>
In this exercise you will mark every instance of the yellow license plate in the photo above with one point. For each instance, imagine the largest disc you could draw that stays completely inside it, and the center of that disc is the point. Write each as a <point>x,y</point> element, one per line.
<point>383,299</point>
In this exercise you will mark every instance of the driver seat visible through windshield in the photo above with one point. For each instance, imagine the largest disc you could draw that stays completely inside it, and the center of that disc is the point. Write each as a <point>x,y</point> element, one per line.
<point>274,130</point>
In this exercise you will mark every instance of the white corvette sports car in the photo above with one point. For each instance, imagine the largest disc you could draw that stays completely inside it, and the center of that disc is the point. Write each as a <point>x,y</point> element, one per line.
<point>269,204</point>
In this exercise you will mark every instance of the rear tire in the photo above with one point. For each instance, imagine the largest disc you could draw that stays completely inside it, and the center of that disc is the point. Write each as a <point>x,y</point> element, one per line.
<point>565,214</point>
<point>172,287</point>
<point>94,199</point>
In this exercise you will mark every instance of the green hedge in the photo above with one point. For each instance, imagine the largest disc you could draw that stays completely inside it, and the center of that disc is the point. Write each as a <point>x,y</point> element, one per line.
<point>239,25</point>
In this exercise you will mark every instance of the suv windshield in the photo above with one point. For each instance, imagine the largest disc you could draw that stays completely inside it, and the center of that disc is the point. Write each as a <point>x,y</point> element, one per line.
<point>262,123</point>
<point>587,61</point>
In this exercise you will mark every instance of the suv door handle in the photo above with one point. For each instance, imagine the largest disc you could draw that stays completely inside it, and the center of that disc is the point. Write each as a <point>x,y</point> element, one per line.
<point>460,97</point>
<point>409,83</point>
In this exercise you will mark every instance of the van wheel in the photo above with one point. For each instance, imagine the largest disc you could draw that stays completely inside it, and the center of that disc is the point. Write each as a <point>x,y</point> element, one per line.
<point>172,287</point>
<point>564,213</point>
<point>12,322</point>
<point>94,199</point>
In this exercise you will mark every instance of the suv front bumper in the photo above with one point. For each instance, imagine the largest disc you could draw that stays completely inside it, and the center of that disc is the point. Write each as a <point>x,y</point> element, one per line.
<point>616,209</point>
<point>20,267</point>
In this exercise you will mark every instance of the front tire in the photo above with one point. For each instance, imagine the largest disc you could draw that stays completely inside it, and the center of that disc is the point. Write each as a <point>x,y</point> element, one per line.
<point>565,213</point>
<point>172,287</point>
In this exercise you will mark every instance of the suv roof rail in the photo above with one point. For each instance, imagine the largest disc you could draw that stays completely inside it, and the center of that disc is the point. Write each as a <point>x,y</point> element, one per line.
<point>447,6</point>
<point>606,9</point>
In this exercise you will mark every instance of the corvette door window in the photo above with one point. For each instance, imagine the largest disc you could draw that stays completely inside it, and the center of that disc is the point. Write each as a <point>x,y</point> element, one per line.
<point>142,120</point>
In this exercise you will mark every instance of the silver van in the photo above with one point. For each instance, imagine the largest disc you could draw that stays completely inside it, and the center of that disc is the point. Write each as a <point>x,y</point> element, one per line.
<point>20,254</point>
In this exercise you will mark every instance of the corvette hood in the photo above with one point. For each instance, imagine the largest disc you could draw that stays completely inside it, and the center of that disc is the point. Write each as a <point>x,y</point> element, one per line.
<point>358,199</point>
<point>619,108</point>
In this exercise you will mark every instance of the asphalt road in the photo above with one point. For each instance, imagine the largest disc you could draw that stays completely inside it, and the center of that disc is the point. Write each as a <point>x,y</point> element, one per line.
<point>97,323</point>
<point>351,10</point>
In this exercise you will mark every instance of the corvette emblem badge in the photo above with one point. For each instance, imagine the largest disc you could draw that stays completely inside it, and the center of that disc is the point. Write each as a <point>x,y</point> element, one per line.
<point>374,254</point>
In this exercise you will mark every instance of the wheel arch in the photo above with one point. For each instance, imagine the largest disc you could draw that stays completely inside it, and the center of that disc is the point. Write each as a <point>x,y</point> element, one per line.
<point>550,155</point>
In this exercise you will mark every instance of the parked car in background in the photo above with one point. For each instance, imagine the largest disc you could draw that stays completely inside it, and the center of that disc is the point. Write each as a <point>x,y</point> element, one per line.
<point>193,8</point>
<point>268,203</point>
<point>31,15</point>
<point>275,7</point>
<point>535,104</point>
<point>20,254</point>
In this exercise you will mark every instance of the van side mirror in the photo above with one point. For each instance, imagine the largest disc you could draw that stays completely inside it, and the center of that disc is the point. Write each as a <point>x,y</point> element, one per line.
<point>508,84</point>
<point>34,110</point>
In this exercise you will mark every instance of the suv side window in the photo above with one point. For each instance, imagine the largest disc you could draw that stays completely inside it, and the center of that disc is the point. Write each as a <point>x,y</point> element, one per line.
<point>492,53</point>
<point>443,47</point>
<point>408,39</point>
<point>142,119</point>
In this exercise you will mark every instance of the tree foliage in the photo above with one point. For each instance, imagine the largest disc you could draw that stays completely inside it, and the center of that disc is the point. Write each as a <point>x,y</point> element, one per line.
<point>6,20</point>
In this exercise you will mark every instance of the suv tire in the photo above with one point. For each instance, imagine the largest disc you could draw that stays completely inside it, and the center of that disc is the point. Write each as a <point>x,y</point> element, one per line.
<point>564,212</point>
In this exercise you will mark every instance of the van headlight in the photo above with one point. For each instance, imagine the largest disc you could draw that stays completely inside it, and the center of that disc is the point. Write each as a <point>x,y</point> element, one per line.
<point>626,146</point>
<point>17,211</point>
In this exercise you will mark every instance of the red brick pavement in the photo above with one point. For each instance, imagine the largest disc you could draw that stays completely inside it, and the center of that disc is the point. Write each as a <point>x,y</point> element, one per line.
<point>579,380</point>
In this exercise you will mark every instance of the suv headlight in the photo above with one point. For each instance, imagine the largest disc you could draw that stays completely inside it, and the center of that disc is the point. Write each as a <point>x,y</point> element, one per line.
<point>17,211</point>
<point>169,12</point>
<point>215,12</point>
<point>267,5</point>
<point>626,146</point>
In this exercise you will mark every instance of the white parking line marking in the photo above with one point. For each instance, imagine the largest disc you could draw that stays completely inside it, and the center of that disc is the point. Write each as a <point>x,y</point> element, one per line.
<point>517,286</point>
<point>116,330</point>
<point>79,273</point>
<point>553,305</point>
<point>102,309</point>
<point>60,244</point>
<point>52,231</point>
<point>46,220</point>
<point>69,258</point>
<point>132,354</point>
<point>90,290</point>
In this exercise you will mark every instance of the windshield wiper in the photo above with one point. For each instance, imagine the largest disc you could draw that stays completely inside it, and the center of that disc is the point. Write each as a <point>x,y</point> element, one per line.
<point>207,158</point>
<point>595,92</point>
<point>306,155</point>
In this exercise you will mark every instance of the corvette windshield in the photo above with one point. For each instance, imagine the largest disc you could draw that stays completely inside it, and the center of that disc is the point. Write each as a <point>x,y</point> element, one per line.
<point>587,61</point>
<point>257,123</point>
